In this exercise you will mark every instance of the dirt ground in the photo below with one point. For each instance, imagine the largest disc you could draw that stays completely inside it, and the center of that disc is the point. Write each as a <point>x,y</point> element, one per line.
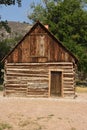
<point>18,113</point>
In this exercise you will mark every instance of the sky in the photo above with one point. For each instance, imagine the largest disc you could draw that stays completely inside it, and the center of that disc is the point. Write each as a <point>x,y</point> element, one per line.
<point>15,13</point>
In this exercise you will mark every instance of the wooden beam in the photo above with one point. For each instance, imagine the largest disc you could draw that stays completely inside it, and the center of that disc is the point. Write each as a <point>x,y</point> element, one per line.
<point>51,63</point>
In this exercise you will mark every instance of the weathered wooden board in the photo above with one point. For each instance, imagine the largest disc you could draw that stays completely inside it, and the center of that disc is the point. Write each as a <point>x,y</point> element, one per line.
<point>38,47</point>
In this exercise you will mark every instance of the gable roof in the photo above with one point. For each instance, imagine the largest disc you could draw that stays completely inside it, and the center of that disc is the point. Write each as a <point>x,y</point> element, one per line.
<point>50,34</point>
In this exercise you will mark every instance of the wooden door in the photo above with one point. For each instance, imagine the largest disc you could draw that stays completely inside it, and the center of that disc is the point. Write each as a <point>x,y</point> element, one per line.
<point>56,83</point>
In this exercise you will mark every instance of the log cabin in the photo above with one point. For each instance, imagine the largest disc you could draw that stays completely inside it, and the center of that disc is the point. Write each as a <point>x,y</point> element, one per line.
<point>39,66</point>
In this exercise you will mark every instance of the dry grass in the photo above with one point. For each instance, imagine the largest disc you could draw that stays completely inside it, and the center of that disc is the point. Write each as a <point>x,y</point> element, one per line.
<point>5,126</point>
<point>81,89</point>
<point>1,87</point>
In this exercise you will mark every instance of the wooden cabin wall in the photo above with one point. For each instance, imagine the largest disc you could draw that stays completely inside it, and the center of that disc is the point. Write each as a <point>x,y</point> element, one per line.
<point>33,79</point>
<point>37,47</point>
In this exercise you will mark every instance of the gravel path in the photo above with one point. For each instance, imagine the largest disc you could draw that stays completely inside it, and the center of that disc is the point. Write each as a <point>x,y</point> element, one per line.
<point>18,113</point>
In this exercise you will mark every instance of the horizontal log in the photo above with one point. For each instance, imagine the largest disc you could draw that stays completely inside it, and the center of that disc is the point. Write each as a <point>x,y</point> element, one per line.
<point>68,71</point>
<point>68,89</point>
<point>14,85</point>
<point>69,81</point>
<point>21,93</point>
<point>37,89</point>
<point>27,70</point>
<point>38,72</point>
<point>44,66</point>
<point>29,83</point>
<point>66,82</point>
<point>25,76</point>
<point>28,73</point>
<point>68,92</point>
<point>14,88</point>
<point>37,92</point>
<point>64,69</point>
<point>16,82</point>
<point>37,85</point>
<point>32,78</point>
<point>37,96</point>
<point>27,66</point>
<point>9,91</point>
<point>37,78</point>
<point>24,85</point>
<point>18,90</point>
<point>18,69</point>
<point>68,85</point>
<point>65,78</point>
<point>41,83</point>
<point>38,67</point>
<point>22,77</point>
<point>51,63</point>
<point>61,67</point>
<point>68,74</point>
<point>26,79</point>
